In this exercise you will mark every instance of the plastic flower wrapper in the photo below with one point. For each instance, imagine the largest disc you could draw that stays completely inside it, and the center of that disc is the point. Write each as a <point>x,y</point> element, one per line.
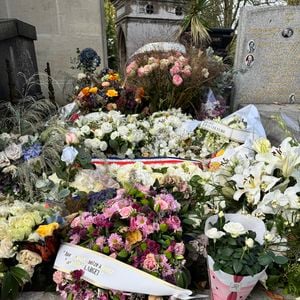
<point>139,226</point>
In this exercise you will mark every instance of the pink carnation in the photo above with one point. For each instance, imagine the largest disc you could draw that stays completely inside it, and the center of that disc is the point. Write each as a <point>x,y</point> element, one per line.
<point>76,222</point>
<point>177,80</point>
<point>150,263</point>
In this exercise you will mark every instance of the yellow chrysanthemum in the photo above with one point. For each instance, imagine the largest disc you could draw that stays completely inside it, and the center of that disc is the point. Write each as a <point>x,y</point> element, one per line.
<point>134,237</point>
<point>112,93</point>
<point>47,230</point>
<point>93,90</point>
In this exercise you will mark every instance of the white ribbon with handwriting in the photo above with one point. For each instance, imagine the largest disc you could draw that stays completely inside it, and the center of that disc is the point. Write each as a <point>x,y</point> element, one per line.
<point>109,273</point>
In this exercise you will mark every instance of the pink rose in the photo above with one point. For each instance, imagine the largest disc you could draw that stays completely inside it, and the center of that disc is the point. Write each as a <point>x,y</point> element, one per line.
<point>150,263</point>
<point>161,204</point>
<point>141,71</point>
<point>174,70</point>
<point>58,277</point>
<point>177,80</point>
<point>125,212</point>
<point>71,138</point>
<point>147,69</point>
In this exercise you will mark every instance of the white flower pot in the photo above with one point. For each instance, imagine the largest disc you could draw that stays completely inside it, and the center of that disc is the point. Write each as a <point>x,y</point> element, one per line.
<point>230,287</point>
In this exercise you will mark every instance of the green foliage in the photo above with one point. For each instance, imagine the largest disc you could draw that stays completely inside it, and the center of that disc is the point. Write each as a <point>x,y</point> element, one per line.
<point>27,116</point>
<point>12,281</point>
<point>234,256</point>
<point>111,34</point>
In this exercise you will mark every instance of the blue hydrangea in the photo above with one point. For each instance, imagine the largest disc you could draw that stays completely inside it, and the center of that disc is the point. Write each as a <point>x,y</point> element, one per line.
<point>32,151</point>
<point>89,59</point>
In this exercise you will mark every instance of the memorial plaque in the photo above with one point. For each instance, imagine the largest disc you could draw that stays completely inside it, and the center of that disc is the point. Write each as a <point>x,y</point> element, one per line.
<point>268,56</point>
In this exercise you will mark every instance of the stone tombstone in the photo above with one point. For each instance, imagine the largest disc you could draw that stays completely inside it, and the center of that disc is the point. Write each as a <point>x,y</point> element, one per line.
<point>17,55</point>
<point>268,56</point>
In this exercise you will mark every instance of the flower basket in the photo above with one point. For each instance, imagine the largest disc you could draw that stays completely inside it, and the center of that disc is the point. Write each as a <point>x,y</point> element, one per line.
<point>225,286</point>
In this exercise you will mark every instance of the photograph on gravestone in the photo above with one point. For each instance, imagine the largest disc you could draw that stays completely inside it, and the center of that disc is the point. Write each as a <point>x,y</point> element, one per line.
<point>267,57</point>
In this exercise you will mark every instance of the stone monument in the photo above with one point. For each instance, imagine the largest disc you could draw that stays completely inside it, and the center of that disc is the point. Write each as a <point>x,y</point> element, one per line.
<point>17,55</point>
<point>268,56</point>
<point>62,26</point>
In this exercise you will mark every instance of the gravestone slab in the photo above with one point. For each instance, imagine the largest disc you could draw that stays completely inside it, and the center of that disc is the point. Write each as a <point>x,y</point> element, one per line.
<point>17,50</point>
<point>268,56</point>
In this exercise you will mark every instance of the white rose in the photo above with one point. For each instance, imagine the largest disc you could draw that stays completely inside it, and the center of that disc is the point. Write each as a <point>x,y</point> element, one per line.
<point>235,229</point>
<point>106,127</point>
<point>213,233</point>
<point>103,146</point>
<point>4,161</point>
<point>249,243</point>
<point>81,76</point>
<point>269,237</point>
<point>13,151</point>
<point>129,153</point>
<point>7,248</point>
<point>92,143</point>
<point>29,258</point>
<point>86,130</point>
<point>12,169</point>
<point>98,133</point>
<point>5,136</point>
<point>69,154</point>
<point>114,135</point>
<point>24,139</point>
<point>123,130</point>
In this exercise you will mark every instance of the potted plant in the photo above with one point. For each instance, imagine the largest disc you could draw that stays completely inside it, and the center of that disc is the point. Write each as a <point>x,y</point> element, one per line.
<point>237,255</point>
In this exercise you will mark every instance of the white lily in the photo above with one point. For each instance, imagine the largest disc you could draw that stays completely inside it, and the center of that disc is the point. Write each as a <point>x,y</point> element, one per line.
<point>252,182</point>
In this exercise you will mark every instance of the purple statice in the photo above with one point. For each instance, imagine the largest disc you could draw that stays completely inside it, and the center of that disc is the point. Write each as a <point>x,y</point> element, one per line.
<point>32,151</point>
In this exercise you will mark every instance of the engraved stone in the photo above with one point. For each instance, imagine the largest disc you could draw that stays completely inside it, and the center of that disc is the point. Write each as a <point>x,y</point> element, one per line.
<point>268,56</point>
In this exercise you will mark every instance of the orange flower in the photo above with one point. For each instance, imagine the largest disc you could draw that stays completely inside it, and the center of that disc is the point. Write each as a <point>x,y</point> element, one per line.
<point>139,94</point>
<point>85,91</point>
<point>114,76</point>
<point>112,93</point>
<point>93,90</point>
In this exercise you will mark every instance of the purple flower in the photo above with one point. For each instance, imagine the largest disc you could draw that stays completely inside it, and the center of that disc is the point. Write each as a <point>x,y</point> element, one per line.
<point>77,274</point>
<point>32,151</point>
